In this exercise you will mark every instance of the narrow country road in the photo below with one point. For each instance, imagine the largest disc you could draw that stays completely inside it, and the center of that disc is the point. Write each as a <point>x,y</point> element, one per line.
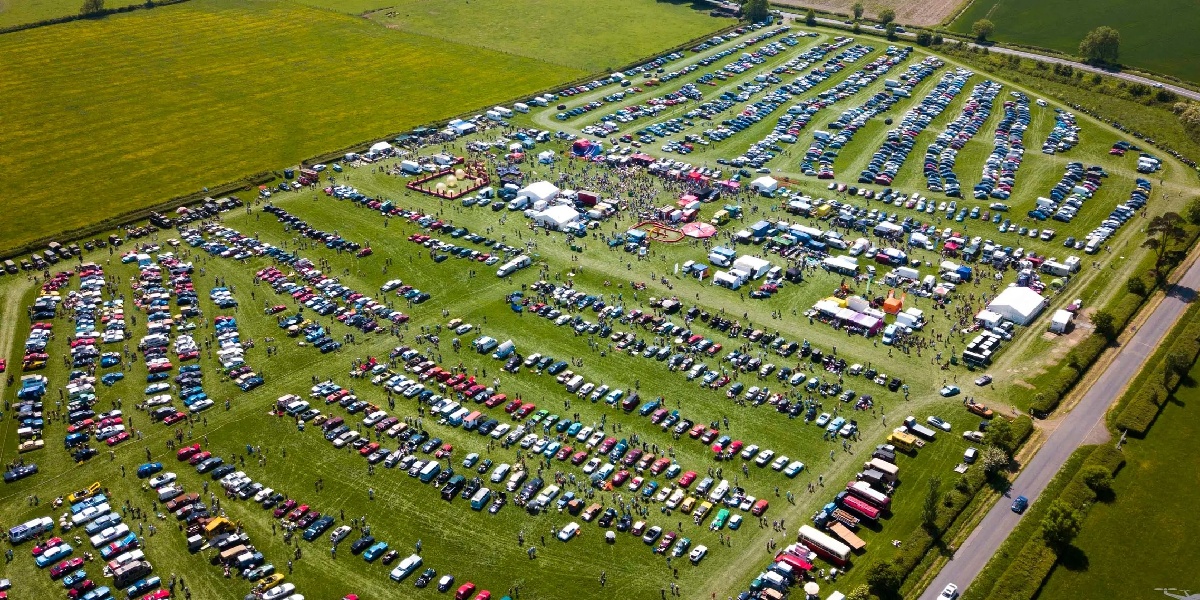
<point>908,35</point>
<point>1075,428</point>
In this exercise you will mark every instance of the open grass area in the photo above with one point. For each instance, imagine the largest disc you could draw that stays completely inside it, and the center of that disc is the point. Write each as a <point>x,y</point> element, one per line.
<point>484,548</point>
<point>577,34</point>
<point>186,96</point>
<point>1154,36</point>
<point>1150,512</point>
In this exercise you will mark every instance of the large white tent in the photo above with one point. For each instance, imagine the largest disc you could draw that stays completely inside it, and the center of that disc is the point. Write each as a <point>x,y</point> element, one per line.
<point>556,217</point>
<point>764,184</point>
<point>1021,305</point>
<point>540,190</point>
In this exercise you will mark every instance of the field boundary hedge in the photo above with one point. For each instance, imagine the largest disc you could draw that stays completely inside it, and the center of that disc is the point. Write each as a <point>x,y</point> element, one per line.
<point>1157,382</point>
<point>148,4</point>
<point>1029,568</point>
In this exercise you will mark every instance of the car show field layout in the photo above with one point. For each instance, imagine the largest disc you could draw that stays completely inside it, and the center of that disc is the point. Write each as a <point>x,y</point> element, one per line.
<point>559,384</point>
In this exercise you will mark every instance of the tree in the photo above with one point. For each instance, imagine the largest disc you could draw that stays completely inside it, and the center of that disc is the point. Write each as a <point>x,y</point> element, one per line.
<point>1162,232</point>
<point>1189,117</point>
<point>757,10</point>
<point>1000,435</point>
<point>1193,211</point>
<point>1105,324</point>
<point>91,7</point>
<point>1178,364</point>
<point>810,18</point>
<point>1136,285</point>
<point>887,15</point>
<point>884,579</point>
<point>929,513</point>
<point>862,592</point>
<point>924,38</point>
<point>1098,479</point>
<point>1060,526</point>
<point>937,39</point>
<point>1101,45</point>
<point>890,29</point>
<point>982,28</point>
<point>858,10</point>
<point>994,459</point>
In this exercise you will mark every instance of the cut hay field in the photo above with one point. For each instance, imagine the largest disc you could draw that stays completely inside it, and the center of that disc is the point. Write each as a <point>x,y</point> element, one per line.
<point>19,12</point>
<point>593,36</point>
<point>142,107</point>
<point>1157,36</point>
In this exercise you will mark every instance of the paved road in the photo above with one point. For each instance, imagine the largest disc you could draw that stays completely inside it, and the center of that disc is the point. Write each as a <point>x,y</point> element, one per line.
<point>1076,426</point>
<point>1184,92</point>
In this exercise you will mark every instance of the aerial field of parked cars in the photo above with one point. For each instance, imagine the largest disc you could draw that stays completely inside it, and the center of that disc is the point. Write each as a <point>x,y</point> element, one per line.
<point>723,301</point>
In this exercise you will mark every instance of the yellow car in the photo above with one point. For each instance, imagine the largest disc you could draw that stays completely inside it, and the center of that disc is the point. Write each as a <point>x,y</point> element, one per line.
<point>85,493</point>
<point>269,582</point>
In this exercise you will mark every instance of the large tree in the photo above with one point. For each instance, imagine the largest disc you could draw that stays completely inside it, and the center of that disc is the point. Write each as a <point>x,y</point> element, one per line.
<point>858,10</point>
<point>1105,324</point>
<point>91,7</point>
<point>757,10</point>
<point>999,434</point>
<point>1101,45</point>
<point>887,15</point>
<point>1060,526</point>
<point>810,18</point>
<point>929,513</point>
<point>982,28</point>
<point>1163,231</point>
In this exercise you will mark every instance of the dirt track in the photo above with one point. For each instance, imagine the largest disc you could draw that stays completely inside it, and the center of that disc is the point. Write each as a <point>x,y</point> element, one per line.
<point>924,12</point>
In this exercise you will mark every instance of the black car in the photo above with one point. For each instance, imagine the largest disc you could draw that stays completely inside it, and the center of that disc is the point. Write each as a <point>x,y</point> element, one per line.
<point>430,445</point>
<point>270,501</point>
<point>361,544</point>
<point>426,576</point>
<point>222,471</point>
<point>607,518</point>
<point>391,556</point>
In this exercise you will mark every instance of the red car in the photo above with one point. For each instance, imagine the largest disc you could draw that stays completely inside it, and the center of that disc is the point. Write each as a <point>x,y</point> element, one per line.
<point>444,451</point>
<point>63,568</point>
<point>159,594</point>
<point>564,452</point>
<point>48,544</point>
<point>3,365</point>
<point>199,457</point>
<point>278,308</point>
<point>525,410</point>
<point>687,479</point>
<point>175,418</point>
<point>579,457</point>
<point>80,426</point>
<point>117,439</point>
<point>620,478</point>
<point>81,588</point>
<point>512,406</point>
<point>187,452</point>
<point>369,448</point>
<point>607,445</point>
<point>495,401</point>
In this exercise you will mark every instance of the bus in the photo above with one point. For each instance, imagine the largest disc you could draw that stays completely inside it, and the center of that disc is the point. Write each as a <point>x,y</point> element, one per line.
<point>863,490</point>
<point>903,440</point>
<point>30,529</point>
<point>825,546</point>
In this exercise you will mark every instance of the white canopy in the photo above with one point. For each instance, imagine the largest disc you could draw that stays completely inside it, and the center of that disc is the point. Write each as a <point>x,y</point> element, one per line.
<point>556,217</point>
<point>541,190</point>
<point>764,184</point>
<point>380,147</point>
<point>1021,305</point>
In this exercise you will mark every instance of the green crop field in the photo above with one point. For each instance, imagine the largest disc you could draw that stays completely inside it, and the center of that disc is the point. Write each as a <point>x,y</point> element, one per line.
<point>492,550</point>
<point>1150,511</point>
<point>20,12</point>
<point>241,88</point>
<point>1156,36</point>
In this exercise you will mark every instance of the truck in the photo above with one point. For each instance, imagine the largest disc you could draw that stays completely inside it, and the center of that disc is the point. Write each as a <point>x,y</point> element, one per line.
<point>918,429</point>
<point>513,265</point>
<point>857,506</point>
<point>903,441</point>
<point>864,490</point>
<point>890,472</point>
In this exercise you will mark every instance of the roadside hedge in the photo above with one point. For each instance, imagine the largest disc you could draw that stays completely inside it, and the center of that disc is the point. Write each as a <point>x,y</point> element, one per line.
<point>1029,568</point>
<point>1156,383</point>
<point>914,548</point>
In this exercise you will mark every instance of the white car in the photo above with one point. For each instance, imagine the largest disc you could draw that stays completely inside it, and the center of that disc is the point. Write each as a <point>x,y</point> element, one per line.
<point>590,466</point>
<point>339,534</point>
<point>162,479</point>
<point>697,554</point>
<point>263,493</point>
<point>569,531</point>
<point>780,463</point>
<point>950,592</point>
<point>764,457</point>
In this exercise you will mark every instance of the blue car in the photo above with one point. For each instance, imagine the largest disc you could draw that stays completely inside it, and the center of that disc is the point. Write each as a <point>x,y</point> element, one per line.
<point>1020,504</point>
<point>110,379</point>
<point>149,469</point>
<point>143,585</point>
<point>53,555</point>
<point>375,551</point>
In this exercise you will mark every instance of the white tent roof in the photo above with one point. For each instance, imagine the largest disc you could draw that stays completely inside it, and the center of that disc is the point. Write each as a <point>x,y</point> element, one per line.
<point>764,184</point>
<point>750,263</point>
<point>557,216</point>
<point>381,147</point>
<point>541,190</point>
<point>1018,304</point>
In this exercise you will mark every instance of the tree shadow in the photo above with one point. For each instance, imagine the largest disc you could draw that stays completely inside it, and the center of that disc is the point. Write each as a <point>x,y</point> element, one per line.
<point>1106,496</point>
<point>1073,558</point>
<point>1182,292</point>
<point>999,483</point>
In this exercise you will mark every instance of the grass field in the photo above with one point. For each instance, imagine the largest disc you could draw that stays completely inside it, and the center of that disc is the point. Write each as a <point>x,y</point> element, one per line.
<point>404,511</point>
<point>19,12</point>
<point>1150,512</point>
<point>230,96</point>
<point>577,34</point>
<point>1155,36</point>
